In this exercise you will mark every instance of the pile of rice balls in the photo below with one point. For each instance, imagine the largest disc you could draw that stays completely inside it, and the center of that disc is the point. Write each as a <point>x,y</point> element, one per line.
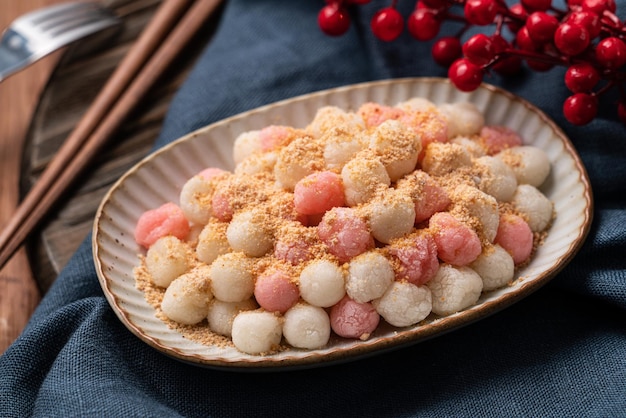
<point>386,213</point>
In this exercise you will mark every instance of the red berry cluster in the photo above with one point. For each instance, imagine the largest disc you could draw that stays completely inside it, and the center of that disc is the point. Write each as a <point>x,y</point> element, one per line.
<point>587,38</point>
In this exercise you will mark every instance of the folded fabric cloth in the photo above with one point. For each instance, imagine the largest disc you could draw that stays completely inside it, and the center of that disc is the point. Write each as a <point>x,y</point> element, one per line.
<point>559,352</point>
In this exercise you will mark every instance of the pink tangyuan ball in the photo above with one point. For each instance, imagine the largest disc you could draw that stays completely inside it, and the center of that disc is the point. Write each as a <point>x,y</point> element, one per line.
<point>345,233</point>
<point>275,291</point>
<point>374,113</point>
<point>318,192</point>
<point>168,219</point>
<point>351,319</point>
<point>457,243</point>
<point>515,236</point>
<point>498,138</point>
<point>274,136</point>
<point>417,255</point>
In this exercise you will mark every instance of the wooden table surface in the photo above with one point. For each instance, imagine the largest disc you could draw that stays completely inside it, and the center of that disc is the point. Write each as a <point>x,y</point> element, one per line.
<point>38,109</point>
<point>19,293</point>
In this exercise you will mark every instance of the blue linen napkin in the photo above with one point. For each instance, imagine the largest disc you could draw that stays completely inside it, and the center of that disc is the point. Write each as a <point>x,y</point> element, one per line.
<point>559,352</point>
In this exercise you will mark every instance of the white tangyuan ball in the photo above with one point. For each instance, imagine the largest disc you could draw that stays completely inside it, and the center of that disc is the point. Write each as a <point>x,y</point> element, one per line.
<point>454,289</point>
<point>417,104</point>
<point>536,207</point>
<point>231,277</point>
<point>531,165</point>
<point>212,242</point>
<point>246,144</point>
<point>362,176</point>
<point>186,299</point>
<point>167,259</point>
<point>306,326</point>
<point>256,332</point>
<point>473,147</point>
<point>297,160</point>
<point>322,283</point>
<point>248,232</point>
<point>195,199</point>
<point>404,304</point>
<point>495,267</point>
<point>444,158</point>
<point>257,163</point>
<point>391,216</point>
<point>222,314</point>
<point>497,179</point>
<point>398,147</point>
<point>463,118</point>
<point>369,276</point>
<point>340,149</point>
<point>482,206</point>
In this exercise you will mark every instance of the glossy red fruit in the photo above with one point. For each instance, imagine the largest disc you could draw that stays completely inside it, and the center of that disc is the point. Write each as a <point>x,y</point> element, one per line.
<point>524,41</point>
<point>424,24</point>
<point>520,15</point>
<point>580,108</point>
<point>465,75</point>
<point>581,77</point>
<point>611,53</point>
<point>480,12</point>
<point>598,6</point>
<point>446,50</point>
<point>588,20</point>
<point>571,39</point>
<point>479,49</point>
<point>333,19</point>
<point>387,24</point>
<point>541,27</point>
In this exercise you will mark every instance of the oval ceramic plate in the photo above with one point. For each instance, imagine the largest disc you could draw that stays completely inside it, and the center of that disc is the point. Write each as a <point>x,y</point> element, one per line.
<point>159,177</point>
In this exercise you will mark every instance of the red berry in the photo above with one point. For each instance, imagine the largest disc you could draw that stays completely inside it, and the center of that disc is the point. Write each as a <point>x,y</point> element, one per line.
<point>424,24</point>
<point>446,50</point>
<point>571,39</point>
<point>611,53</point>
<point>519,15</point>
<point>580,108</point>
<point>536,5</point>
<point>588,20</point>
<point>582,77</point>
<point>387,24</point>
<point>524,41</point>
<point>333,19</point>
<point>479,49</point>
<point>541,27</point>
<point>598,6</point>
<point>465,75</point>
<point>481,12</point>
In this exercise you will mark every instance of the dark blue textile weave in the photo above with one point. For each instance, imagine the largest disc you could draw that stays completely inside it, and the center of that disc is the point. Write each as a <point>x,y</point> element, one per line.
<point>559,352</point>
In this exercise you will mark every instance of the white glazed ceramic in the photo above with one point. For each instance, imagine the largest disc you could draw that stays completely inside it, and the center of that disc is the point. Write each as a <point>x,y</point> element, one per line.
<point>159,177</point>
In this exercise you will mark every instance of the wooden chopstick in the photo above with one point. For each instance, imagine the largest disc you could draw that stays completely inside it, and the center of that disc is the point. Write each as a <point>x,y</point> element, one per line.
<point>111,111</point>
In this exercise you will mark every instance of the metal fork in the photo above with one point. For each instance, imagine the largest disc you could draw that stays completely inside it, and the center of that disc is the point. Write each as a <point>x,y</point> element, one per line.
<point>34,35</point>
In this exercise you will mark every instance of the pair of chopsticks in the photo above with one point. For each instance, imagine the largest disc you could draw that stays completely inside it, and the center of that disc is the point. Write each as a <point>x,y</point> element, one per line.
<point>172,27</point>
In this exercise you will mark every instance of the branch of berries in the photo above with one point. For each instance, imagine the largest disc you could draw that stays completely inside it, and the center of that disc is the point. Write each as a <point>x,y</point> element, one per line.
<point>587,38</point>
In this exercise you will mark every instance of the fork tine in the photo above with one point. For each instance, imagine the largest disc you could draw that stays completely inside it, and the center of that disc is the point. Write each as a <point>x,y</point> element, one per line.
<point>39,15</point>
<point>38,33</point>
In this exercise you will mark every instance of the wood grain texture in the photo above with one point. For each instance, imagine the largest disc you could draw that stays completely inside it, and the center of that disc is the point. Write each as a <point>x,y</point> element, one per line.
<point>80,73</point>
<point>19,293</point>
